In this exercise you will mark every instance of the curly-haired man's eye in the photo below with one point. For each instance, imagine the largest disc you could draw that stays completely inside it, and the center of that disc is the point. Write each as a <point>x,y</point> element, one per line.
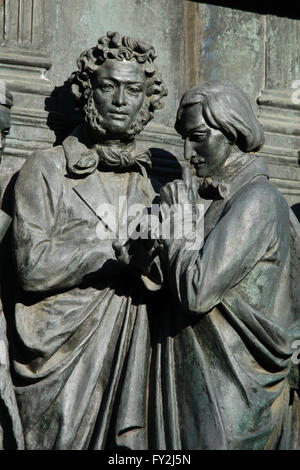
<point>133,90</point>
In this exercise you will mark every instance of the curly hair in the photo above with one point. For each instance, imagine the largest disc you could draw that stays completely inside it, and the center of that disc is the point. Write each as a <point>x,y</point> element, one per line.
<point>114,46</point>
<point>227,108</point>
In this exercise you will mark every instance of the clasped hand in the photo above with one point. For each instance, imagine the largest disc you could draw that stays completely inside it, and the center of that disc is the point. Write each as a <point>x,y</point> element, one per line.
<point>176,198</point>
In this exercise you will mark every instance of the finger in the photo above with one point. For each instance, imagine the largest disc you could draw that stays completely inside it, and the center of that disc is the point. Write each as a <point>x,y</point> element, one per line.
<point>165,211</point>
<point>124,256</point>
<point>165,190</point>
<point>154,233</point>
<point>187,176</point>
<point>153,250</point>
<point>180,191</point>
<point>117,246</point>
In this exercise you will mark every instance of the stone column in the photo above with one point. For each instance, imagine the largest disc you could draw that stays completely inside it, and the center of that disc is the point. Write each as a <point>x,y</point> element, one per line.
<point>280,104</point>
<point>22,59</point>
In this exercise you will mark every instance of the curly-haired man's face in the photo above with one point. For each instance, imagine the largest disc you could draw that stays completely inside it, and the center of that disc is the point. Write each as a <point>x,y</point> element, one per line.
<point>118,95</point>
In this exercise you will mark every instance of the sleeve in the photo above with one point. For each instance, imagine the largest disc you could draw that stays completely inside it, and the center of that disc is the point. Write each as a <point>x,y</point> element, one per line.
<point>243,235</point>
<point>51,249</point>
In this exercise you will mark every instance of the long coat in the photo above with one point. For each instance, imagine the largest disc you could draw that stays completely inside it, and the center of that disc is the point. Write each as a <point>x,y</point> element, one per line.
<point>222,361</point>
<point>82,357</point>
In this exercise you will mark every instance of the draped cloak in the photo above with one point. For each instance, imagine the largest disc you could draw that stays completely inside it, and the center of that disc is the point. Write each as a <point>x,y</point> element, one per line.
<point>81,360</point>
<point>222,364</point>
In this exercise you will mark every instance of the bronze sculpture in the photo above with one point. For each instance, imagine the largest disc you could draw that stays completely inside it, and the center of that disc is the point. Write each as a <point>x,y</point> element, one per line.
<point>95,365</point>
<point>230,343</point>
<point>81,317</point>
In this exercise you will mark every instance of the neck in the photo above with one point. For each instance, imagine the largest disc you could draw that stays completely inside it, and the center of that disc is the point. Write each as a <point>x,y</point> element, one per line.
<point>99,139</point>
<point>234,155</point>
<point>229,164</point>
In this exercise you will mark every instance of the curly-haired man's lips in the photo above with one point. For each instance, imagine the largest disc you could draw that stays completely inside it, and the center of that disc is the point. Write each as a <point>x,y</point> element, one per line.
<point>119,115</point>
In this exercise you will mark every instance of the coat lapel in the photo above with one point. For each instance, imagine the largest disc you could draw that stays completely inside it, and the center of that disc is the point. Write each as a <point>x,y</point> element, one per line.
<point>91,191</point>
<point>89,188</point>
<point>95,193</point>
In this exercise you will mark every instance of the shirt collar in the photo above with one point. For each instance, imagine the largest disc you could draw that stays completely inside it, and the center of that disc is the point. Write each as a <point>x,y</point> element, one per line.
<point>240,169</point>
<point>75,145</point>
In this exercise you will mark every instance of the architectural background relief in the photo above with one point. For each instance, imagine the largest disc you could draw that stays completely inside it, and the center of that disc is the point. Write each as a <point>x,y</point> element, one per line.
<point>197,41</point>
<point>22,55</point>
<point>23,65</point>
<point>21,22</point>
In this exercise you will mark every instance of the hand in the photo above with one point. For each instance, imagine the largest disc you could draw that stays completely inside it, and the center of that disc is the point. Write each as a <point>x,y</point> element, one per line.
<point>178,207</point>
<point>180,191</point>
<point>137,254</point>
<point>174,193</point>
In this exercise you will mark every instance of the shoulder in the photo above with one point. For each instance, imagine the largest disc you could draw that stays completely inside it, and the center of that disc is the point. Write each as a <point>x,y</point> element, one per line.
<point>41,165</point>
<point>258,204</point>
<point>47,162</point>
<point>260,195</point>
<point>44,159</point>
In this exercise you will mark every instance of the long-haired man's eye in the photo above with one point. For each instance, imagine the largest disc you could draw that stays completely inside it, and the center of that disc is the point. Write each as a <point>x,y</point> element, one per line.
<point>197,137</point>
<point>107,87</point>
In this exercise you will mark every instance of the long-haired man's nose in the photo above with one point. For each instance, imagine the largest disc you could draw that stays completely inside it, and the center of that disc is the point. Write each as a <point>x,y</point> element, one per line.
<point>187,149</point>
<point>189,152</point>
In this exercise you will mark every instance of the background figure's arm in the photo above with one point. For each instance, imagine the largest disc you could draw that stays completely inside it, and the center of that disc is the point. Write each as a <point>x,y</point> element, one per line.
<point>51,250</point>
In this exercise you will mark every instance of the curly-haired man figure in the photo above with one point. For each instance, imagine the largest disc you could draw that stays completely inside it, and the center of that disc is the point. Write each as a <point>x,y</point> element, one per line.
<point>82,361</point>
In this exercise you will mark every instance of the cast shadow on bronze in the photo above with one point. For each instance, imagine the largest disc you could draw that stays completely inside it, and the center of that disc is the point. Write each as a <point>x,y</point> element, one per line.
<point>165,166</point>
<point>63,116</point>
<point>8,284</point>
<point>296,209</point>
<point>9,441</point>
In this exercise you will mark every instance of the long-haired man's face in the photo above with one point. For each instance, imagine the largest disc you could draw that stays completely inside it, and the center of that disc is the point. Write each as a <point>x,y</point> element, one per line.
<point>4,127</point>
<point>117,99</point>
<point>207,149</point>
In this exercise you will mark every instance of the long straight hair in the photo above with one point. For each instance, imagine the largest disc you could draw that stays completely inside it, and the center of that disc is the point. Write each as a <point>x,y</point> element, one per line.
<point>227,108</point>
